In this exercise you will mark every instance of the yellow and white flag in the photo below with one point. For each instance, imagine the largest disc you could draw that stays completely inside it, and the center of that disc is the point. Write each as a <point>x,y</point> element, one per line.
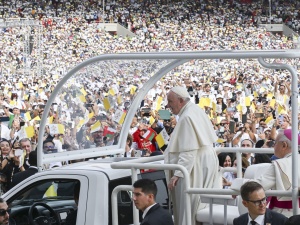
<point>26,132</point>
<point>50,120</point>
<point>82,90</point>
<point>158,103</point>
<point>119,116</point>
<point>56,129</point>
<point>51,191</point>
<point>37,118</point>
<point>82,98</point>
<point>27,116</point>
<point>96,126</point>
<point>162,138</point>
<point>106,104</point>
<point>91,115</point>
<point>133,89</point>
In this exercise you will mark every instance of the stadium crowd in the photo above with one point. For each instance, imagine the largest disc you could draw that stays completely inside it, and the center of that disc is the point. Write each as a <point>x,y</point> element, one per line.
<point>243,100</point>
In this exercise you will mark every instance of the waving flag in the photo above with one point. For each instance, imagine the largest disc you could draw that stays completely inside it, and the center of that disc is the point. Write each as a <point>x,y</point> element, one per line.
<point>149,135</point>
<point>108,132</point>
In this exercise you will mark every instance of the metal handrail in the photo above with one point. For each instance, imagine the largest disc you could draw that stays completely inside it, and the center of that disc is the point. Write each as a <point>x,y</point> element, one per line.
<point>138,163</point>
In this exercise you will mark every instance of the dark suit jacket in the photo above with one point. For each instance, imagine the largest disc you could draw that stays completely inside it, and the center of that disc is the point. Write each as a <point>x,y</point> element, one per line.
<point>20,176</point>
<point>293,220</point>
<point>157,215</point>
<point>271,217</point>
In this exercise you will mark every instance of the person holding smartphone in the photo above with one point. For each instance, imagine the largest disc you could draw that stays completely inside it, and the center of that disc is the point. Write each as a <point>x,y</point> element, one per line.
<point>245,132</point>
<point>283,122</point>
<point>11,164</point>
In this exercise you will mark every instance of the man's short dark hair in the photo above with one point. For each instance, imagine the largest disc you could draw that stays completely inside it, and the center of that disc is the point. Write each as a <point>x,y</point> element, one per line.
<point>130,139</point>
<point>32,160</point>
<point>47,141</point>
<point>148,186</point>
<point>249,187</point>
<point>2,200</point>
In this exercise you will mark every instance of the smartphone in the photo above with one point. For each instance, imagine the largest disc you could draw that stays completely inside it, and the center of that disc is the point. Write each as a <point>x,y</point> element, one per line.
<point>270,144</point>
<point>259,115</point>
<point>231,109</point>
<point>101,117</point>
<point>146,112</point>
<point>280,117</point>
<point>18,152</point>
<point>126,104</point>
<point>89,105</point>
<point>4,119</point>
<point>41,106</point>
<point>244,118</point>
<point>222,129</point>
<point>55,108</point>
<point>164,114</point>
<point>137,153</point>
<point>232,127</point>
<point>144,152</point>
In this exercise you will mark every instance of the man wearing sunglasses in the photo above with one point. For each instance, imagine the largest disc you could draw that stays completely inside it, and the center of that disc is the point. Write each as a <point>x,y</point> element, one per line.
<point>4,214</point>
<point>254,199</point>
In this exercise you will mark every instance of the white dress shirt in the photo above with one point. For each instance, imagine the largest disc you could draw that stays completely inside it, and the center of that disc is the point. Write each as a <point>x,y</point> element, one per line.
<point>259,220</point>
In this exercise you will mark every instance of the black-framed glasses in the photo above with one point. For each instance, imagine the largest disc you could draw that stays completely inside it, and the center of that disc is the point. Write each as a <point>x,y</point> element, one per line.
<point>259,202</point>
<point>51,146</point>
<point>4,211</point>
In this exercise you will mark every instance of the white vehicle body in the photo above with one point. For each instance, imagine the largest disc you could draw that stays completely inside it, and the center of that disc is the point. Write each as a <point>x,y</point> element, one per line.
<point>97,181</point>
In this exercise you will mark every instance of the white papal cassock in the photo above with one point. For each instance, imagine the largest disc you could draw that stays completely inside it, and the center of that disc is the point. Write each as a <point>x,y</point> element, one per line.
<point>191,145</point>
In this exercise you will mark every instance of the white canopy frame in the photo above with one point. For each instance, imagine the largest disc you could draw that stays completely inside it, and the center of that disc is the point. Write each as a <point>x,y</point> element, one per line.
<point>177,58</point>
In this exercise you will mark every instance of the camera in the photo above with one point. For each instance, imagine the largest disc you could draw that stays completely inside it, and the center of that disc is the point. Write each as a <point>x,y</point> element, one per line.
<point>270,143</point>
<point>145,112</point>
<point>126,104</point>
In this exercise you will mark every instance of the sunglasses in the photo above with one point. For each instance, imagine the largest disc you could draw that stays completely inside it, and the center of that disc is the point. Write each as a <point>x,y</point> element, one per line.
<point>49,146</point>
<point>3,212</point>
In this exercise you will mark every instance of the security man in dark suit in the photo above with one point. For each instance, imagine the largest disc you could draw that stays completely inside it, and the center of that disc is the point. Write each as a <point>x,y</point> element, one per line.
<point>254,199</point>
<point>293,220</point>
<point>144,194</point>
<point>19,177</point>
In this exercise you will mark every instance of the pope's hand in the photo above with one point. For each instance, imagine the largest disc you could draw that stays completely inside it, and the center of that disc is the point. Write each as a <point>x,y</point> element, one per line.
<point>173,182</point>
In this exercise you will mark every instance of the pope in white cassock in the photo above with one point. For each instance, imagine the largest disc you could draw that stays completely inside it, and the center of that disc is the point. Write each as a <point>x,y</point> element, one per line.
<point>191,145</point>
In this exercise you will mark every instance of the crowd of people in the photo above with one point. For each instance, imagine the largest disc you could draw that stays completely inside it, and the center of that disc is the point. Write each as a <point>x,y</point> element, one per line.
<point>246,104</point>
<point>243,100</point>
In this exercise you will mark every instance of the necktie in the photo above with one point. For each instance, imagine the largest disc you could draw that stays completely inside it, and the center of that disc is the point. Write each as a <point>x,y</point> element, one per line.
<point>253,222</point>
